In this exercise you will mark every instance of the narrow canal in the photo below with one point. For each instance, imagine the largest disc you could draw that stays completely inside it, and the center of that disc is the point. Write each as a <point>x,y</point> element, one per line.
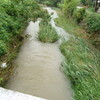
<point>38,66</point>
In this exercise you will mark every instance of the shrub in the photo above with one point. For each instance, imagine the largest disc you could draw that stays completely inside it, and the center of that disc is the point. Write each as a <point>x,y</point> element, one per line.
<point>70,6</point>
<point>93,22</point>
<point>79,15</point>
<point>9,27</point>
<point>5,21</point>
<point>87,2</point>
<point>13,17</point>
<point>88,20</point>
<point>84,2</point>
<point>3,48</point>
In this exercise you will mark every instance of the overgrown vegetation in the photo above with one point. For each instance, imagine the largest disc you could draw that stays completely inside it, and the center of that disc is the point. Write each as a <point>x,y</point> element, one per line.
<point>87,2</point>
<point>79,15</point>
<point>47,33</point>
<point>82,60</point>
<point>69,6</point>
<point>82,67</point>
<point>14,16</point>
<point>81,63</point>
<point>92,21</point>
<point>69,25</point>
<point>83,14</point>
<point>94,4</point>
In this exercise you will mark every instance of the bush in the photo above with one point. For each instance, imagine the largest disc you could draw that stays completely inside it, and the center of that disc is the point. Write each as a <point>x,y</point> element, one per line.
<point>84,2</point>
<point>3,48</point>
<point>88,20</point>
<point>21,10</point>
<point>87,2</point>
<point>13,17</point>
<point>93,22</point>
<point>70,6</point>
<point>79,15</point>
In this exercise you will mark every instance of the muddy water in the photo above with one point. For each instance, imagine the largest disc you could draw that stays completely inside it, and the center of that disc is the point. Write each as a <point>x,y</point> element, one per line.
<point>38,72</point>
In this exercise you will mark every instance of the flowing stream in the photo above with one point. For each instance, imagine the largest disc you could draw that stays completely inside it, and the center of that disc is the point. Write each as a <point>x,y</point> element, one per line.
<point>38,72</point>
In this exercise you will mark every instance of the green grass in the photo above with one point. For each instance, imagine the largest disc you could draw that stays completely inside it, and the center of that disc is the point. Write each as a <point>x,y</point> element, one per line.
<point>82,66</point>
<point>82,62</point>
<point>47,33</point>
<point>69,25</point>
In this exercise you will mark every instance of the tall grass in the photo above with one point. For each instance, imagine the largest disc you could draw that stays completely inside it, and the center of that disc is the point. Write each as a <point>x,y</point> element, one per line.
<point>47,33</point>
<point>82,66</point>
<point>82,62</point>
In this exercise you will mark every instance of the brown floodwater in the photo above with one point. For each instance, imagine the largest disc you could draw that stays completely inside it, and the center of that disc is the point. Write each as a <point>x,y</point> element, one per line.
<point>38,68</point>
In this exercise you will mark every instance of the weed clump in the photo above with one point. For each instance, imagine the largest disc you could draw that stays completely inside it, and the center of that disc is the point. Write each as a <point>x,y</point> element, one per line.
<point>47,33</point>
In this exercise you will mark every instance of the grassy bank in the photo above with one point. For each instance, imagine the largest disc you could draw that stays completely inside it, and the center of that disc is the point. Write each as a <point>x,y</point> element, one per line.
<point>70,25</point>
<point>82,12</point>
<point>82,61</point>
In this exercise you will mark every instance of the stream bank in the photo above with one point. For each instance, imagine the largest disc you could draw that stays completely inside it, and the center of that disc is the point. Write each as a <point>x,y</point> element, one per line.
<point>82,60</point>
